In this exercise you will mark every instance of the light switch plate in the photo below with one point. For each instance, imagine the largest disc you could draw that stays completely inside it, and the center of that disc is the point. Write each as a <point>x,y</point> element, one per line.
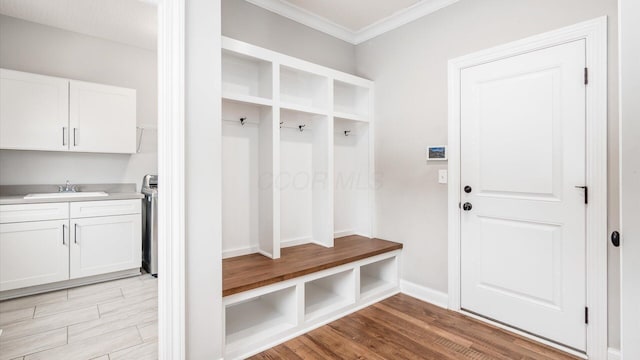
<point>443,176</point>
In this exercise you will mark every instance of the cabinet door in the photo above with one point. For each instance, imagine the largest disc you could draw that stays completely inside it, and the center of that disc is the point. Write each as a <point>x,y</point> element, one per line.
<point>33,253</point>
<point>34,111</point>
<point>102,118</point>
<point>105,244</point>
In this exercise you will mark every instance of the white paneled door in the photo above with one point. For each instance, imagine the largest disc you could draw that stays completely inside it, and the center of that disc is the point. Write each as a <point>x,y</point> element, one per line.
<point>523,161</point>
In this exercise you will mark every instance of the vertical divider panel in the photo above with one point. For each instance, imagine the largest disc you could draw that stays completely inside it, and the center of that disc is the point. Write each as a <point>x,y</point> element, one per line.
<point>322,177</point>
<point>300,293</point>
<point>368,225</point>
<point>267,240</point>
<point>276,160</point>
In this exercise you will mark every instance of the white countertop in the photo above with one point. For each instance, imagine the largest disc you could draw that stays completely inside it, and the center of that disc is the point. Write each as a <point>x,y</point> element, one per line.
<point>14,194</point>
<point>19,199</point>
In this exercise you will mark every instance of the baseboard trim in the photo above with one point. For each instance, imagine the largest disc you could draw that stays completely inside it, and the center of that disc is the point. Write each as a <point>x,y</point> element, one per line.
<point>67,284</point>
<point>424,293</point>
<point>239,252</point>
<point>614,354</point>
<point>295,242</point>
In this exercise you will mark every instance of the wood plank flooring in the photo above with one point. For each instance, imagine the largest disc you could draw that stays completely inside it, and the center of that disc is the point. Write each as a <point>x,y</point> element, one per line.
<point>110,320</point>
<point>402,327</point>
<point>252,271</point>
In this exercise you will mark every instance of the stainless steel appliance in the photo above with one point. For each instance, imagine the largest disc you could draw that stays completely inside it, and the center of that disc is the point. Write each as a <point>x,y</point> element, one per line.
<point>150,224</point>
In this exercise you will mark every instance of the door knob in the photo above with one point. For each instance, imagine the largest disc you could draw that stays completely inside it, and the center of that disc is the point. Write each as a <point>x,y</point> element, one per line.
<point>615,238</point>
<point>467,189</point>
<point>467,206</point>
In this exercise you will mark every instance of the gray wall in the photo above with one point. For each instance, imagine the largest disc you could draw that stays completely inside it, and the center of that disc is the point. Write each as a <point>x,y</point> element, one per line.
<point>249,23</point>
<point>409,67</point>
<point>31,47</point>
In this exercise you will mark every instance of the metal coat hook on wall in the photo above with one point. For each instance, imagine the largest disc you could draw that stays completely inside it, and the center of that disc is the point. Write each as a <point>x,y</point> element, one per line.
<point>301,127</point>
<point>347,132</point>
<point>242,120</point>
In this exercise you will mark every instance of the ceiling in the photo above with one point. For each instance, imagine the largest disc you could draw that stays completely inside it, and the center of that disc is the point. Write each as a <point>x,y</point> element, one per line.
<point>354,21</point>
<point>132,22</point>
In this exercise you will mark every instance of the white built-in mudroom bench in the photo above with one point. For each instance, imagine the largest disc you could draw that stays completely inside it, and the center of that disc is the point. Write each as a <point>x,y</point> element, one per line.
<point>298,194</point>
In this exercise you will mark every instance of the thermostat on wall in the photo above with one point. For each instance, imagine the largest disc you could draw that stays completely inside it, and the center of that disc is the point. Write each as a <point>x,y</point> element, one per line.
<point>437,153</point>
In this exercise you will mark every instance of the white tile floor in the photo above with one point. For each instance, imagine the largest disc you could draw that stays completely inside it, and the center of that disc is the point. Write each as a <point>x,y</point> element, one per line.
<point>106,321</point>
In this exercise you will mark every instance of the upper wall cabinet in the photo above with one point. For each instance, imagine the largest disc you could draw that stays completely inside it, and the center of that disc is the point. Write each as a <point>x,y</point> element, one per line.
<point>53,114</point>
<point>102,118</point>
<point>34,111</point>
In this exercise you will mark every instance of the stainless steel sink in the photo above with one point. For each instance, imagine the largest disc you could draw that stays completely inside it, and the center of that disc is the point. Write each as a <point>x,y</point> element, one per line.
<point>58,195</point>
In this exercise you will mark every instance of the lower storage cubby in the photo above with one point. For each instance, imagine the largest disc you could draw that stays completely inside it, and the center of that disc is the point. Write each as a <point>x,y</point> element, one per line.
<point>259,318</point>
<point>265,316</point>
<point>378,276</point>
<point>328,294</point>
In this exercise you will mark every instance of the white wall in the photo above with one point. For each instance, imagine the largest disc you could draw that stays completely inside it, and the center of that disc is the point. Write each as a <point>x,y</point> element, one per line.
<point>31,47</point>
<point>246,22</point>
<point>630,175</point>
<point>409,67</point>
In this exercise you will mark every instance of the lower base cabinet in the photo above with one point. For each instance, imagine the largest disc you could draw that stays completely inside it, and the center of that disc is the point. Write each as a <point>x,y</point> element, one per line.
<point>104,244</point>
<point>76,240</point>
<point>33,253</point>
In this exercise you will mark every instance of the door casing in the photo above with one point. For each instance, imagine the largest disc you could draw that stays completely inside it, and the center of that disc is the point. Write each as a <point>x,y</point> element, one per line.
<point>594,32</point>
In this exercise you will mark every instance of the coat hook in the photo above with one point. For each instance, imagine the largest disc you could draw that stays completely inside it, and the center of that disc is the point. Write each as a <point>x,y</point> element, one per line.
<point>347,132</point>
<point>301,127</point>
<point>242,120</point>
<point>281,123</point>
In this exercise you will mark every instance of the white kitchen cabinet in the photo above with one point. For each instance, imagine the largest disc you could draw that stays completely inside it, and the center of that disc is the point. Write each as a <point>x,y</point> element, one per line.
<point>34,111</point>
<point>54,114</point>
<point>105,244</point>
<point>46,243</point>
<point>102,118</point>
<point>33,253</point>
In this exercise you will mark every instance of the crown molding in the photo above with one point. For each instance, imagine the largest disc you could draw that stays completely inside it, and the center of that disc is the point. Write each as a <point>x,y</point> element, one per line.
<point>305,17</point>
<point>402,17</point>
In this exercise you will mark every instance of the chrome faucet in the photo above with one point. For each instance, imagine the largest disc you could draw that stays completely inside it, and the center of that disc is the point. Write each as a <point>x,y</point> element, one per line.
<point>68,187</point>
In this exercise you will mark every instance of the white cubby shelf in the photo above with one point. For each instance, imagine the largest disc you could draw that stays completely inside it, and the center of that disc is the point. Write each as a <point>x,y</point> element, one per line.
<point>377,277</point>
<point>282,186</point>
<point>261,318</point>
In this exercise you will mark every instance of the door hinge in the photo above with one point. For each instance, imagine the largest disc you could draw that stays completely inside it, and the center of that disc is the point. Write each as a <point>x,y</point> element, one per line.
<point>586,315</point>
<point>586,76</point>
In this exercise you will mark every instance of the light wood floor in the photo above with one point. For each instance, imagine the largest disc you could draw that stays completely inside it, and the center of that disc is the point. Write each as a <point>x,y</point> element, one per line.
<point>402,327</point>
<point>107,321</point>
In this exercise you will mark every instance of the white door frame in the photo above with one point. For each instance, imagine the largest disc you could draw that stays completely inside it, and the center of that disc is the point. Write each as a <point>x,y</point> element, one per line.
<point>171,159</point>
<point>629,36</point>
<point>594,32</point>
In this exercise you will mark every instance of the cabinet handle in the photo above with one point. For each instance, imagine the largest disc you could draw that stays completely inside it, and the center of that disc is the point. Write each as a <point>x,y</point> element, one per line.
<point>75,233</point>
<point>75,136</point>
<point>64,136</point>
<point>64,234</point>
